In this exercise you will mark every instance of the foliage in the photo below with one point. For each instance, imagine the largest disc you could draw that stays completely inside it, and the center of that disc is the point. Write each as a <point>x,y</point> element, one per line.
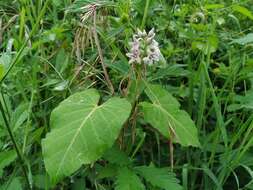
<point>82,131</point>
<point>82,108</point>
<point>165,116</point>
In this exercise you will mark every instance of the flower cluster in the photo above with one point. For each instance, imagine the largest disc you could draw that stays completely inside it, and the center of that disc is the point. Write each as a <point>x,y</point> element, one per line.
<point>144,48</point>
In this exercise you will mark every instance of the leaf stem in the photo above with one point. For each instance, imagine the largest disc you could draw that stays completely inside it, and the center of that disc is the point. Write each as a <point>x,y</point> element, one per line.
<point>171,151</point>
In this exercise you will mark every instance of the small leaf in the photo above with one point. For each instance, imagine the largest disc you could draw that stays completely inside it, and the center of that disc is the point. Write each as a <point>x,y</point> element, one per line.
<point>61,86</point>
<point>243,10</point>
<point>128,180</point>
<point>5,60</point>
<point>110,170</point>
<point>214,6</point>
<point>14,184</point>
<point>208,45</point>
<point>164,115</point>
<point>242,102</point>
<point>19,116</point>
<point>115,156</point>
<point>244,40</point>
<point>82,131</point>
<point>6,158</point>
<point>159,177</point>
<point>173,70</point>
<point>62,61</point>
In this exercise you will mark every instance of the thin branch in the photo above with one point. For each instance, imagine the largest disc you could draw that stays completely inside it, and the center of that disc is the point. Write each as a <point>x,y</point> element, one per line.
<point>108,81</point>
<point>171,150</point>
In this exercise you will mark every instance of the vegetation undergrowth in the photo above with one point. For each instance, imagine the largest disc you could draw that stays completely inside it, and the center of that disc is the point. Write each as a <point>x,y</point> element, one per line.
<point>126,94</point>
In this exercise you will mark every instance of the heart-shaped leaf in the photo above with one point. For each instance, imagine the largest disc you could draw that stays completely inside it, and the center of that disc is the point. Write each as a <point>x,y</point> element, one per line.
<point>82,131</point>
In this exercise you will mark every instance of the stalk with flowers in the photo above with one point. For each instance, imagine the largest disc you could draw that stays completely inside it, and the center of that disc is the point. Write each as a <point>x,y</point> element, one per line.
<point>144,51</point>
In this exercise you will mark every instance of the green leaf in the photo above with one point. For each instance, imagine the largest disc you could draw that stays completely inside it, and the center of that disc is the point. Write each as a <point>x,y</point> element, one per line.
<point>242,102</point>
<point>82,131</point>
<point>41,181</point>
<point>173,70</point>
<point>243,10</point>
<point>208,45</point>
<point>19,116</point>
<point>1,71</point>
<point>14,184</point>
<point>6,158</point>
<point>212,176</point>
<point>244,40</point>
<point>159,177</point>
<point>214,6</point>
<point>128,180</point>
<point>110,170</point>
<point>165,115</point>
<point>5,60</point>
<point>115,156</point>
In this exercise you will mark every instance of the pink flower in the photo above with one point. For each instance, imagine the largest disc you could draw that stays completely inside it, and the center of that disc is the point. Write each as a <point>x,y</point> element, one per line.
<point>144,48</point>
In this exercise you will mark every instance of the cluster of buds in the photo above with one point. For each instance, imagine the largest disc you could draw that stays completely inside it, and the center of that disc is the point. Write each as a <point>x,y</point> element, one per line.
<point>144,48</point>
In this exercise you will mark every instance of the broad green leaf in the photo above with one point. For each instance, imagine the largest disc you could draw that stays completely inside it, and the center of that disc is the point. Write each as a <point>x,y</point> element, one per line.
<point>165,115</point>
<point>6,158</point>
<point>159,177</point>
<point>82,131</point>
<point>128,180</point>
<point>243,10</point>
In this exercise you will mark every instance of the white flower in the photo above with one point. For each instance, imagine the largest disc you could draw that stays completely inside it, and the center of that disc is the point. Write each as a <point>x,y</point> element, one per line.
<point>144,48</point>
<point>134,54</point>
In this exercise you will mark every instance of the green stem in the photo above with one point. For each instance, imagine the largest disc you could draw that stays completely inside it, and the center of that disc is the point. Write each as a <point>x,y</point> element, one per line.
<point>145,14</point>
<point>20,157</point>
<point>217,107</point>
<point>138,146</point>
<point>5,105</point>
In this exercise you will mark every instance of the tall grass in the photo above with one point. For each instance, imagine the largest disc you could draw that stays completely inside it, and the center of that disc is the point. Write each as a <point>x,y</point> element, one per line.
<point>47,53</point>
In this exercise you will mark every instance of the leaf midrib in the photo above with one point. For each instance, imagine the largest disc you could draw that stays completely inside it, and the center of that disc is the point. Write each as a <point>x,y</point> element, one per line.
<point>159,105</point>
<point>174,119</point>
<point>75,136</point>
